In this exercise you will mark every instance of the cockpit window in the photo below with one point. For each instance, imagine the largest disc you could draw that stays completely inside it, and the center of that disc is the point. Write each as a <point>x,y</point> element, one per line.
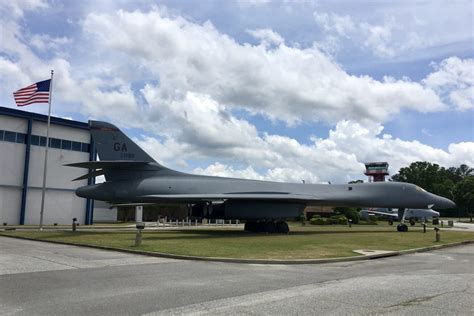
<point>420,189</point>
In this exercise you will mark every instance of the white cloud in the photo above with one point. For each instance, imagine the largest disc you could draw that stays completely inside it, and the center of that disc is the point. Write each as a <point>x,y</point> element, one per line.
<point>252,3</point>
<point>44,42</point>
<point>391,33</point>
<point>20,66</point>
<point>17,8</point>
<point>191,78</point>
<point>284,83</point>
<point>342,25</point>
<point>338,158</point>
<point>221,170</point>
<point>376,37</point>
<point>454,78</point>
<point>267,37</point>
<point>379,38</point>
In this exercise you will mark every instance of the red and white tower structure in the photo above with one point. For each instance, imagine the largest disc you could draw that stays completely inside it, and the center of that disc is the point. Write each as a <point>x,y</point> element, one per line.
<point>376,171</point>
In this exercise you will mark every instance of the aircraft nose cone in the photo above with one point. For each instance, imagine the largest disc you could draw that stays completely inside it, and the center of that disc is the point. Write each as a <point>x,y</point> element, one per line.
<point>443,203</point>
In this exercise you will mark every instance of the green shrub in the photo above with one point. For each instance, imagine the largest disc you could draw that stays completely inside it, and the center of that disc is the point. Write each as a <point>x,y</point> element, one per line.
<point>318,221</point>
<point>333,220</point>
<point>343,220</point>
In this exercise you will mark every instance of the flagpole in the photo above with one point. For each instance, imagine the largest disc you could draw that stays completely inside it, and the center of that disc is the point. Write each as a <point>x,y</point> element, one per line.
<point>46,151</point>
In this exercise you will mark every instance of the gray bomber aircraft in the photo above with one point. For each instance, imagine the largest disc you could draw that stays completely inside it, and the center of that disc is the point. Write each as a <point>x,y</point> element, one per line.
<point>133,177</point>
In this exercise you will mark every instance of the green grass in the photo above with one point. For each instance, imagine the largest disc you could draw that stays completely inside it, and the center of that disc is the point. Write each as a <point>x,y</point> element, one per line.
<point>304,242</point>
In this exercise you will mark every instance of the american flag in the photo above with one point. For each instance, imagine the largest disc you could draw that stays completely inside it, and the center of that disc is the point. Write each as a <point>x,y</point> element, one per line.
<point>35,93</point>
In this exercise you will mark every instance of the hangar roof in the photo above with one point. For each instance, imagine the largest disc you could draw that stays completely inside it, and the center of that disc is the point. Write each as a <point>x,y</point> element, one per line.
<point>43,118</point>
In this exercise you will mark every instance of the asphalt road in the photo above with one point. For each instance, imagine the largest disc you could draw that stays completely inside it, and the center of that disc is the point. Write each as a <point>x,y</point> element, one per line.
<point>38,278</point>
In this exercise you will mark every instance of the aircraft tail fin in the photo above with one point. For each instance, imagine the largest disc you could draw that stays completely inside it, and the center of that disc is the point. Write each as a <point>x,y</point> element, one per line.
<point>120,158</point>
<point>112,144</point>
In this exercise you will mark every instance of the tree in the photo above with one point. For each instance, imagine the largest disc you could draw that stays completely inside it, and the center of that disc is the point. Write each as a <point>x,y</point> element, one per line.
<point>457,174</point>
<point>351,213</point>
<point>464,195</point>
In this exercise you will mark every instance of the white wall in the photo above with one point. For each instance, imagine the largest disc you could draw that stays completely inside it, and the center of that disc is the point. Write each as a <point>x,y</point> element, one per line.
<point>10,202</point>
<point>12,160</point>
<point>13,124</point>
<point>104,215</point>
<point>59,207</point>
<point>64,132</point>
<point>58,175</point>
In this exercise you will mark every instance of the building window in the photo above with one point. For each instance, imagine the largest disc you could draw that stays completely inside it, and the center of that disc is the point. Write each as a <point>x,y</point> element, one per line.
<point>54,143</point>
<point>10,136</point>
<point>21,138</point>
<point>85,148</point>
<point>65,144</point>
<point>42,141</point>
<point>76,146</point>
<point>35,140</point>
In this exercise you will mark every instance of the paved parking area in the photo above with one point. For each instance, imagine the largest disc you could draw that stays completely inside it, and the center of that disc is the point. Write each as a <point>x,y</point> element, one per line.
<point>38,278</point>
<point>23,256</point>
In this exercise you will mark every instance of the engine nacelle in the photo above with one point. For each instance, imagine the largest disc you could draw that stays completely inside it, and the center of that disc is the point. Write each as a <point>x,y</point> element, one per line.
<point>248,210</point>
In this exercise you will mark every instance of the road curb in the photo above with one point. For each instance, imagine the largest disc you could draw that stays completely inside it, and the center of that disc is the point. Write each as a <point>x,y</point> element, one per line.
<point>254,261</point>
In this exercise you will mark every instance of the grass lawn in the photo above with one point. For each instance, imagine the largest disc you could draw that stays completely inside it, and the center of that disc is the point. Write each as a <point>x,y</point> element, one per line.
<point>304,242</point>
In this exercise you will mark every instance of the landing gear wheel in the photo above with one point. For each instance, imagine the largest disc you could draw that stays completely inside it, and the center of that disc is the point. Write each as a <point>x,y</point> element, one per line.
<point>251,227</point>
<point>402,228</point>
<point>260,227</point>
<point>282,228</point>
<point>270,227</point>
<point>412,223</point>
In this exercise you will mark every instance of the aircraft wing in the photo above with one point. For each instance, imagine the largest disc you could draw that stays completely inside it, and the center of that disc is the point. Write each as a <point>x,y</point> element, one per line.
<point>231,196</point>
<point>383,213</point>
<point>116,164</point>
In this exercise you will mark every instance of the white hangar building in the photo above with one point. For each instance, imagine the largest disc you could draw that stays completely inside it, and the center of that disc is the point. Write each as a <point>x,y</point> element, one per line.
<point>22,147</point>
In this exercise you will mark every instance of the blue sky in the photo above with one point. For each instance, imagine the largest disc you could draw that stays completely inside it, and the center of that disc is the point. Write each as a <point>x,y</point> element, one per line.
<point>283,90</point>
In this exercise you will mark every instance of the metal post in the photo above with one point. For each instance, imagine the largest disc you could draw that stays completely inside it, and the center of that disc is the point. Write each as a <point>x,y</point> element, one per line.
<point>139,213</point>
<point>438,235</point>
<point>138,235</point>
<point>24,191</point>
<point>46,151</point>
<point>138,238</point>
<point>74,224</point>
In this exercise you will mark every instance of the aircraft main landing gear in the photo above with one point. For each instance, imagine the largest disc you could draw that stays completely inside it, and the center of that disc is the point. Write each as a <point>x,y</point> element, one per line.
<point>402,228</point>
<point>282,227</point>
<point>267,227</point>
